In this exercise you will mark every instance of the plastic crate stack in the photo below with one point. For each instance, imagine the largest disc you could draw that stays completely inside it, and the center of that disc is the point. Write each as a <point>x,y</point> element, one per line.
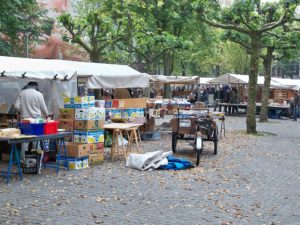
<point>86,121</point>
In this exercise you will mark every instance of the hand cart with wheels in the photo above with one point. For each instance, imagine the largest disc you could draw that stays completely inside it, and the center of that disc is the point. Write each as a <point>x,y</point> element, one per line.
<point>196,127</point>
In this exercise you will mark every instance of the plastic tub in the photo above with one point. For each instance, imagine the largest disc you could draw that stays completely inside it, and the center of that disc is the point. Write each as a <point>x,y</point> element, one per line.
<point>32,128</point>
<point>51,127</point>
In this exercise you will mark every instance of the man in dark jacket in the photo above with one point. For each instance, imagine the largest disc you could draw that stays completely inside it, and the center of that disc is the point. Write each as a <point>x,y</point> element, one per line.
<point>296,105</point>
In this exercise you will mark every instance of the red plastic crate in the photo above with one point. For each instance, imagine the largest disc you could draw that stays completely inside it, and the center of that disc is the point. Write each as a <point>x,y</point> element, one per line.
<point>51,127</point>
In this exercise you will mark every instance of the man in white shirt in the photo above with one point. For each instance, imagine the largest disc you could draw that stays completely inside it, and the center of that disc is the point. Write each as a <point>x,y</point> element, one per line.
<point>30,103</point>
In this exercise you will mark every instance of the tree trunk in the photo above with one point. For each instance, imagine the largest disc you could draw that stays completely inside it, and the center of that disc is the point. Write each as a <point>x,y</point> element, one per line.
<point>167,72</point>
<point>266,90</point>
<point>95,57</point>
<point>251,102</point>
<point>183,68</point>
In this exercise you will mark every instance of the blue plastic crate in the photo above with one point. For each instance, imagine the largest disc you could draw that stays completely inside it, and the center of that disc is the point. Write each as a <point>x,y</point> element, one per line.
<point>151,136</point>
<point>32,128</point>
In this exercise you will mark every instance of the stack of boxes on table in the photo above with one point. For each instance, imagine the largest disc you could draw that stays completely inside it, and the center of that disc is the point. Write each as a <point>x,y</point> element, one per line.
<point>129,109</point>
<point>86,121</point>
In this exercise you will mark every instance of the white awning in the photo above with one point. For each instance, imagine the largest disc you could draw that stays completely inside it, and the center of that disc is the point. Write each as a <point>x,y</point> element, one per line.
<point>99,75</point>
<point>287,83</point>
<point>38,69</point>
<point>174,79</point>
<point>230,78</point>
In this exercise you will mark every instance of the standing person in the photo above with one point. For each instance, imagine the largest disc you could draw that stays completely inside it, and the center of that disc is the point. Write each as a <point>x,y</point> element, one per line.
<point>233,99</point>
<point>30,103</point>
<point>296,105</point>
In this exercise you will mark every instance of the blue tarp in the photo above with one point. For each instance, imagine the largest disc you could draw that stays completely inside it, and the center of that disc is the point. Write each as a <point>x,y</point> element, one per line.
<point>177,164</point>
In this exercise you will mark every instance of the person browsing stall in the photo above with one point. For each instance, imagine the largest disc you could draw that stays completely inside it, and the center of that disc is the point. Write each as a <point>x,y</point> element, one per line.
<point>30,102</point>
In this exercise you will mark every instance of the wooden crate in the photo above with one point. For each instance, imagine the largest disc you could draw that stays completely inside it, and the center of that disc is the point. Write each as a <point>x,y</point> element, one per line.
<point>192,129</point>
<point>280,95</point>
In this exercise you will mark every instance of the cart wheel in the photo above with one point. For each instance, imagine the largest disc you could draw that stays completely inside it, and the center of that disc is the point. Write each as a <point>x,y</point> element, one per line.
<point>174,142</point>
<point>215,141</point>
<point>198,148</point>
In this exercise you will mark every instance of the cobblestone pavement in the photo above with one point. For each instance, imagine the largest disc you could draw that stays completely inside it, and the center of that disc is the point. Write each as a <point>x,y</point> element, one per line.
<point>252,180</point>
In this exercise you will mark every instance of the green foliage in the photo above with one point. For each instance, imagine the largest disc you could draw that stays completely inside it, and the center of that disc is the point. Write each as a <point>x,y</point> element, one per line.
<point>249,24</point>
<point>19,17</point>
<point>97,26</point>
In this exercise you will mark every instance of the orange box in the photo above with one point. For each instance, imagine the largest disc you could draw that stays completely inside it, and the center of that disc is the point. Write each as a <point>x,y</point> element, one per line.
<point>76,149</point>
<point>88,124</point>
<point>66,114</point>
<point>66,124</point>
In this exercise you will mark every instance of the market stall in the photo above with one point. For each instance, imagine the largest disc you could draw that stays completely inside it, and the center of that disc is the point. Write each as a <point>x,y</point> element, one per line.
<point>15,73</point>
<point>241,83</point>
<point>181,85</point>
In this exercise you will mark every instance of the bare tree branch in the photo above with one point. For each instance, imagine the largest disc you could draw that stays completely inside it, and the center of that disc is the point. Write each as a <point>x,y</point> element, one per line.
<point>226,26</point>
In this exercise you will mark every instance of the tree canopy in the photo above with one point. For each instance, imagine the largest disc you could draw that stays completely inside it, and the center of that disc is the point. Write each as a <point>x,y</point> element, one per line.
<point>18,17</point>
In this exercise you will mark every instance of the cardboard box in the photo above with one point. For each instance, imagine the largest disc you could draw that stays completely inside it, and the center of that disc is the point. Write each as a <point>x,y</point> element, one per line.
<point>115,103</point>
<point>4,108</point>
<point>5,156</point>
<point>100,103</point>
<point>76,149</point>
<point>9,132</point>
<point>116,113</point>
<point>88,124</point>
<point>96,148</point>
<point>76,163</point>
<point>133,113</point>
<point>79,102</point>
<point>90,137</point>
<point>95,159</point>
<point>90,114</point>
<point>68,114</point>
<point>67,124</point>
<point>135,103</point>
<point>108,104</point>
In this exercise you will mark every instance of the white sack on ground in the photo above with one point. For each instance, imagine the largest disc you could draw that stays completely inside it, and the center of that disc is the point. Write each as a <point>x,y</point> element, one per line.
<point>147,161</point>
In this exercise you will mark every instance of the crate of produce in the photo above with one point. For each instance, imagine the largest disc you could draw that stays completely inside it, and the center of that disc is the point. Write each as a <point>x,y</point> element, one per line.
<point>51,127</point>
<point>32,128</point>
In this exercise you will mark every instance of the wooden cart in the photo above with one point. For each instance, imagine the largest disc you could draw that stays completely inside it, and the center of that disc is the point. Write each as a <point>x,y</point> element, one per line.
<point>196,128</point>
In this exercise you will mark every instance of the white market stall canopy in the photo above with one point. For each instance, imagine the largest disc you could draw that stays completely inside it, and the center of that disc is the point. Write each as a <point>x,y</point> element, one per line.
<point>174,79</point>
<point>37,69</point>
<point>99,75</point>
<point>230,78</point>
<point>102,75</point>
<point>287,83</point>
<point>205,80</point>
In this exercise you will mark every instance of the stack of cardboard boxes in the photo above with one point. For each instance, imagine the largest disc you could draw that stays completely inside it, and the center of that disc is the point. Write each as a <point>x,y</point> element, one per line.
<point>86,121</point>
<point>126,108</point>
